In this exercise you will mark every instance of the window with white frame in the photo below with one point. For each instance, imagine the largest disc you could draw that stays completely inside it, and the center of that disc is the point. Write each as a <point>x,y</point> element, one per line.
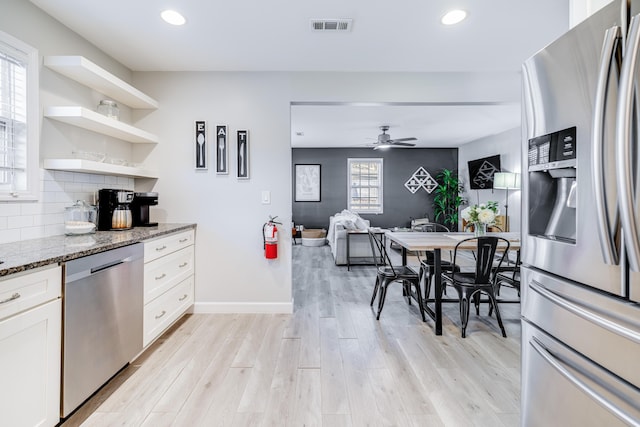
<point>365,186</point>
<point>18,119</point>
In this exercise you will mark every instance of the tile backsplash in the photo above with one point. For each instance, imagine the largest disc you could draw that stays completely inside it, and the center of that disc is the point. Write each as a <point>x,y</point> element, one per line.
<point>45,217</point>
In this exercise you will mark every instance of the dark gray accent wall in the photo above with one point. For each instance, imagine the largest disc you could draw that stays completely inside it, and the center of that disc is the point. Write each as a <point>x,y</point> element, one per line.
<point>400,205</point>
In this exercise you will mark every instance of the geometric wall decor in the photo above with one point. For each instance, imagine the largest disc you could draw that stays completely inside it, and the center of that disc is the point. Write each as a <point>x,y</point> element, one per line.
<point>481,172</point>
<point>421,179</point>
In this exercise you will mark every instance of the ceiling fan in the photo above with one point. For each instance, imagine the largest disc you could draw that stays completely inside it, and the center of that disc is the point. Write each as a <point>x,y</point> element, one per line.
<point>385,141</point>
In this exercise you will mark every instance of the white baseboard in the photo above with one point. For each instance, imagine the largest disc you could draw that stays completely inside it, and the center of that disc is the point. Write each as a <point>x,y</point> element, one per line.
<point>242,307</point>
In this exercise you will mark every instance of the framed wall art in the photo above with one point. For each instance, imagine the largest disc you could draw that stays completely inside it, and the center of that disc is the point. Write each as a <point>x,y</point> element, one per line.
<point>222,150</point>
<point>201,144</point>
<point>307,183</point>
<point>481,172</point>
<point>243,154</point>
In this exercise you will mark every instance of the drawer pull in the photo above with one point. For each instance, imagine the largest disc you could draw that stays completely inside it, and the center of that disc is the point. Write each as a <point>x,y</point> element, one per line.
<point>162,276</point>
<point>161,314</point>
<point>184,297</point>
<point>161,248</point>
<point>184,264</point>
<point>11,298</point>
<point>184,240</point>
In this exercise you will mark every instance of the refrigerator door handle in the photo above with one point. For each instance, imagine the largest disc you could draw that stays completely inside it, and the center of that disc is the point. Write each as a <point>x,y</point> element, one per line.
<point>610,49</point>
<point>584,313</point>
<point>624,151</point>
<point>556,363</point>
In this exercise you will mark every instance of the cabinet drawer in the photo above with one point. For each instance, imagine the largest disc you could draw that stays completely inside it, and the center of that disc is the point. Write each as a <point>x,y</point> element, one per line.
<point>164,310</point>
<point>165,245</point>
<point>21,291</point>
<point>163,273</point>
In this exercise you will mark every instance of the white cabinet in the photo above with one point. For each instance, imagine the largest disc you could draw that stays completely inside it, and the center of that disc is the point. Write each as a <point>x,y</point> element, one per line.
<point>168,282</point>
<point>30,348</point>
<point>91,75</point>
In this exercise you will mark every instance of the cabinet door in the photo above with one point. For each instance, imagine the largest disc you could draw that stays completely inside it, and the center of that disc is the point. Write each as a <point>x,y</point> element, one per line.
<point>30,367</point>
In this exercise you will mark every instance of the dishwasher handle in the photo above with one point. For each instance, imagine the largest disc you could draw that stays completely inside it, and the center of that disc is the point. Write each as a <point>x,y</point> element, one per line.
<point>107,265</point>
<point>101,262</point>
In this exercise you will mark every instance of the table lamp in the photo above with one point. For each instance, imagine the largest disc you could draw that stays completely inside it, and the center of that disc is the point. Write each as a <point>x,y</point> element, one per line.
<point>506,181</point>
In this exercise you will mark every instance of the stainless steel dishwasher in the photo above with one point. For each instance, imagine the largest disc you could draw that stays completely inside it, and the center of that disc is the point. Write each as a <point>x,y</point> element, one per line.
<point>102,320</point>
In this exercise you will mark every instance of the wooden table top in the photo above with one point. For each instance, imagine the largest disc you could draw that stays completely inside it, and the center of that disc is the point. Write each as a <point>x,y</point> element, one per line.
<point>428,241</point>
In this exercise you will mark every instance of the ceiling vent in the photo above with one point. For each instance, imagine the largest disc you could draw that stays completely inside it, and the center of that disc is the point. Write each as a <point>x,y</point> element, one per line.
<point>331,24</point>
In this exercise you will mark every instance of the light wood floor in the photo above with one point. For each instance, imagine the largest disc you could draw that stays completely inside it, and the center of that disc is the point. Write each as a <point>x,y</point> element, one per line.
<point>329,364</point>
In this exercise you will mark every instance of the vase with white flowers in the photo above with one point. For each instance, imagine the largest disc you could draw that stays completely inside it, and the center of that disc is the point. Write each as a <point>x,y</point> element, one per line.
<point>481,216</point>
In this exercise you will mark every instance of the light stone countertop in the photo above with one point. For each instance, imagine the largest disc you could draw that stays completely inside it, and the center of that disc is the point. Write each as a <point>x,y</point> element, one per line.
<point>29,254</point>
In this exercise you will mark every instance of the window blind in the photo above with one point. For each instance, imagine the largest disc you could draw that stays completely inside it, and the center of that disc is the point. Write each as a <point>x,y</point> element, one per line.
<point>365,185</point>
<point>13,119</point>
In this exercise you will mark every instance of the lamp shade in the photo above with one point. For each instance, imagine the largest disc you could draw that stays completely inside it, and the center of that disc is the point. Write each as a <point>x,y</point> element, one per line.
<point>506,180</point>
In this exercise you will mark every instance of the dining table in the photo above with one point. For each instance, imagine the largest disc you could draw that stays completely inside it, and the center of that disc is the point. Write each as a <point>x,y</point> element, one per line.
<point>415,241</point>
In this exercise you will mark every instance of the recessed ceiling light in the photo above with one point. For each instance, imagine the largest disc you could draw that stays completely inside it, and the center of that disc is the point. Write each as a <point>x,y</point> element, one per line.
<point>172,17</point>
<point>453,17</point>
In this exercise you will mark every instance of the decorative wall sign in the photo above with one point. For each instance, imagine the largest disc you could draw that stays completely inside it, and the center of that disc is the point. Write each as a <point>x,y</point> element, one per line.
<point>243,154</point>
<point>222,150</point>
<point>421,179</point>
<point>481,172</point>
<point>307,183</point>
<point>201,144</point>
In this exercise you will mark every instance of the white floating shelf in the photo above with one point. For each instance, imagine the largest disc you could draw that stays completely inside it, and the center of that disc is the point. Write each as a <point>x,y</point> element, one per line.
<point>82,70</point>
<point>88,166</point>
<point>90,120</point>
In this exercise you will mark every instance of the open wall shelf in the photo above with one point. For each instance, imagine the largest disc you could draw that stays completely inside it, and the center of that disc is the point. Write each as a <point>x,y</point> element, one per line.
<point>87,166</point>
<point>90,120</point>
<point>82,70</point>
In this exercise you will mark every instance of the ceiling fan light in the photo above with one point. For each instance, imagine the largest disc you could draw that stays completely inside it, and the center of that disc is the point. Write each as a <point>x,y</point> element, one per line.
<point>453,17</point>
<point>172,17</point>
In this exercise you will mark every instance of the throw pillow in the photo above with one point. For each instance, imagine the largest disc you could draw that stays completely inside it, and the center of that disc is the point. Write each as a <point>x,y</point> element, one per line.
<point>361,224</point>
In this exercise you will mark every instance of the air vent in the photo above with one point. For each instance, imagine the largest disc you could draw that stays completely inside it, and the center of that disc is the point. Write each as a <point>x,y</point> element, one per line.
<point>331,24</point>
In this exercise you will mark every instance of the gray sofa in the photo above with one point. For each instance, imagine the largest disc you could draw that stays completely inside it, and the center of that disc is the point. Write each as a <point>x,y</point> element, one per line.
<point>337,237</point>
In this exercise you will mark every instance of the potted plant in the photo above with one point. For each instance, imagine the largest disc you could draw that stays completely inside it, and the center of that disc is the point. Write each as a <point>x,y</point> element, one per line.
<point>447,198</point>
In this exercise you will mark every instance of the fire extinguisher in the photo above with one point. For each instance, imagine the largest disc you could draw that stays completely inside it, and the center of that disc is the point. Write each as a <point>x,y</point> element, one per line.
<point>270,238</point>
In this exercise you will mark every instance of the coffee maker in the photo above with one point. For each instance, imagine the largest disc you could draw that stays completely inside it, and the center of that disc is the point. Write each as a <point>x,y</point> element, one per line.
<point>140,209</point>
<point>113,209</point>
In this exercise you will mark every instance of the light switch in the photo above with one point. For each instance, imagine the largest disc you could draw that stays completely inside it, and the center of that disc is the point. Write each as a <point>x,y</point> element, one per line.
<point>266,197</point>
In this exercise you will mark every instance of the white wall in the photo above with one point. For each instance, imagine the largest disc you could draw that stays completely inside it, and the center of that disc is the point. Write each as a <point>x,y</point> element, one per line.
<point>231,271</point>
<point>45,217</point>
<point>579,10</point>
<point>508,145</point>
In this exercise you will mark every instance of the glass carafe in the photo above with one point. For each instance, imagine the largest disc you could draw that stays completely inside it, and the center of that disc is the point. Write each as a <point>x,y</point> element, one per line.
<point>121,219</point>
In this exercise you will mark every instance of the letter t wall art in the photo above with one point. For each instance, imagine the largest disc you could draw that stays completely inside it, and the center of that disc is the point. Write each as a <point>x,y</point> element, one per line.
<point>243,154</point>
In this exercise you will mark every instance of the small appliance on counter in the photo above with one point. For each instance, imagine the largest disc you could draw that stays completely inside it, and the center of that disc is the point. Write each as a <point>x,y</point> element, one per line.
<point>80,218</point>
<point>114,211</point>
<point>140,209</point>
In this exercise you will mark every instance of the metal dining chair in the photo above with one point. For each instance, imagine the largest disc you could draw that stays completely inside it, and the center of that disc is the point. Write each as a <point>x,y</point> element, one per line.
<point>427,266</point>
<point>472,284</point>
<point>508,275</point>
<point>387,273</point>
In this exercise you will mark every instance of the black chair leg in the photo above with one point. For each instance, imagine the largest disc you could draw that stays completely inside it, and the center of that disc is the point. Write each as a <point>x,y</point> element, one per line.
<point>464,313</point>
<point>493,302</point>
<point>375,290</point>
<point>383,295</point>
<point>407,287</point>
<point>420,301</point>
<point>476,302</point>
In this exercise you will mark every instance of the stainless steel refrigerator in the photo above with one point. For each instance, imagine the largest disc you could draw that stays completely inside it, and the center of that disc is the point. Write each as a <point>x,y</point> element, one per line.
<point>581,225</point>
